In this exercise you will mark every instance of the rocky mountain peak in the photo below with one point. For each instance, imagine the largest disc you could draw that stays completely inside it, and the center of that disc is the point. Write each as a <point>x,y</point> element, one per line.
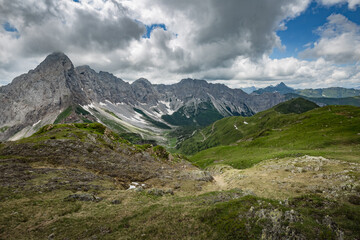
<point>84,68</point>
<point>142,81</point>
<point>55,61</point>
<point>190,81</point>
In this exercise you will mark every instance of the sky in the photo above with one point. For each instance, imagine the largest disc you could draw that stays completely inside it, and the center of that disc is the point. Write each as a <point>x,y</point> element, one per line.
<point>303,43</point>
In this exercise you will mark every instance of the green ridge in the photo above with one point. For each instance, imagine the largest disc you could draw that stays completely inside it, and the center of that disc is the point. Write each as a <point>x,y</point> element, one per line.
<point>331,131</point>
<point>63,115</point>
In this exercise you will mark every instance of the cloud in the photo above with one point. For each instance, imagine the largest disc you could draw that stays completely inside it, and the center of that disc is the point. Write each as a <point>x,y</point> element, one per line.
<point>227,41</point>
<point>352,4</point>
<point>46,26</point>
<point>213,33</point>
<point>339,41</point>
<point>294,72</point>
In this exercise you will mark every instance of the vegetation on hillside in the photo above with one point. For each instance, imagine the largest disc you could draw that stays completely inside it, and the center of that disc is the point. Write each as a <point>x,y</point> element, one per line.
<point>204,114</point>
<point>72,181</point>
<point>331,131</point>
<point>296,105</point>
<point>74,114</point>
<point>229,130</point>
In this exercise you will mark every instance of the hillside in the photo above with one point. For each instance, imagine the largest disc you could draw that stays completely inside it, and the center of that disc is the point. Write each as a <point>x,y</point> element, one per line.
<point>232,129</point>
<point>331,131</point>
<point>82,181</point>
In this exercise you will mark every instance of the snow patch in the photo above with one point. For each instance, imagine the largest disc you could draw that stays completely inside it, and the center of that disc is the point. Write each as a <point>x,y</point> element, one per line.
<point>236,127</point>
<point>246,123</point>
<point>134,185</point>
<point>169,110</point>
<point>102,104</point>
<point>109,102</point>
<point>87,107</point>
<point>137,117</point>
<point>36,123</point>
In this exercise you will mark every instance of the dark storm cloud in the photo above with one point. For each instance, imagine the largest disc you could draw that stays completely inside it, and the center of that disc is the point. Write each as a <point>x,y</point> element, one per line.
<point>48,26</point>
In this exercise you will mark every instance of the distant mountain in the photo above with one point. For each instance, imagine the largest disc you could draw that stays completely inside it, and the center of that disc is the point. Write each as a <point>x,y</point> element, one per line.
<point>58,92</point>
<point>333,92</point>
<point>249,90</point>
<point>280,88</point>
<point>323,101</point>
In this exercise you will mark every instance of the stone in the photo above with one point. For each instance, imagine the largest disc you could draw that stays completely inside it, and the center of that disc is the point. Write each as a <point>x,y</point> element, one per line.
<point>116,202</point>
<point>83,198</point>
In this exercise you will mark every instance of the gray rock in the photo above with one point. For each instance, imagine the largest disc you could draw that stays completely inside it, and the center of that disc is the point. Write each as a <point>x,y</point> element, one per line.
<point>116,202</point>
<point>160,192</point>
<point>83,197</point>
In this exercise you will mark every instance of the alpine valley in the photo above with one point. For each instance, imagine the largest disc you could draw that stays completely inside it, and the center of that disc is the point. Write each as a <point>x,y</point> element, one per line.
<point>86,155</point>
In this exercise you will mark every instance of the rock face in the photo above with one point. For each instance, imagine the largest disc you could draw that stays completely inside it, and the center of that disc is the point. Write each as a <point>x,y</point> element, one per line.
<point>38,97</point>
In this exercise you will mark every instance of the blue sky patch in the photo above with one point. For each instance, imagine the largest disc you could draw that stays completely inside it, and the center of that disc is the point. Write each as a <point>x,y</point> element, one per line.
<point>150,28</point>
<point>78,1</point>
<point>301,30</point>
<point>9,28</point>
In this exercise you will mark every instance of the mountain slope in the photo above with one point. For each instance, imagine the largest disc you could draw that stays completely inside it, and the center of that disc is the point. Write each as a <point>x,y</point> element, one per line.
<point>94,148</point>
<point>56,91</point>
<point>229,130</point>
<point>83,181</point>
<point>331,132</point>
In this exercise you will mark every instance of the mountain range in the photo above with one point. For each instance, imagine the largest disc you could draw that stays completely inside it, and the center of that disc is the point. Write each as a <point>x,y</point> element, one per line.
<point>331,92</point>
<point>56,91</point>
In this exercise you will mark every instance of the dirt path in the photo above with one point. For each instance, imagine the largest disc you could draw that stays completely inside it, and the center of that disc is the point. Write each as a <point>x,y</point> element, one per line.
<point>203,136</point>
<point>220,181</point>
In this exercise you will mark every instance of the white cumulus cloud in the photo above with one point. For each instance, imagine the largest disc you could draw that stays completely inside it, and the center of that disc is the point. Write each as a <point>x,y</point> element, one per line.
<point>339,41</point>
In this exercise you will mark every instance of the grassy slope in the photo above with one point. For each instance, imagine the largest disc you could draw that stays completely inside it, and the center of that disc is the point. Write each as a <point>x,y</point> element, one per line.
<point>35,206</point>
<point>331,131</point>
<point>229,130</point>
<point>139,216</point>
